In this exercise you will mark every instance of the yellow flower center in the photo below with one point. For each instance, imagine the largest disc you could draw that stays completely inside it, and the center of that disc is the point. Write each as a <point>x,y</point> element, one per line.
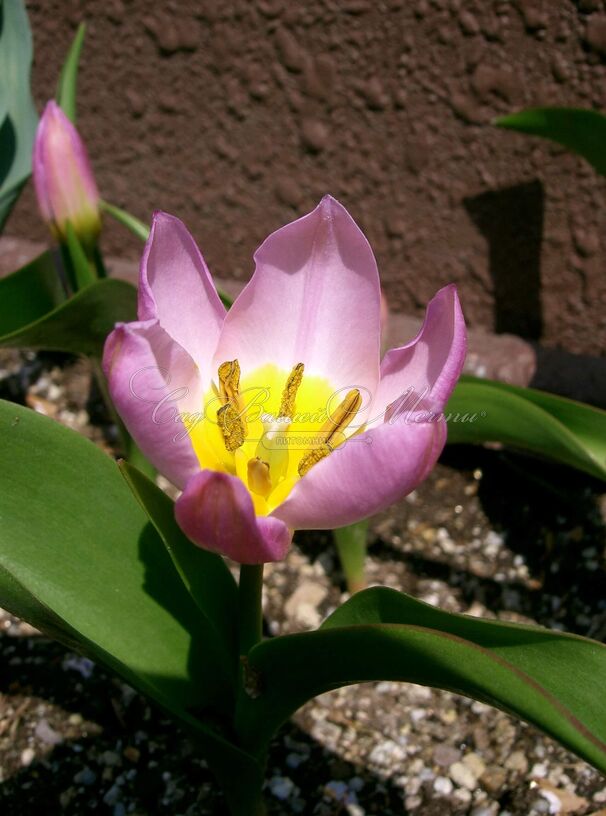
<point>270,427</point>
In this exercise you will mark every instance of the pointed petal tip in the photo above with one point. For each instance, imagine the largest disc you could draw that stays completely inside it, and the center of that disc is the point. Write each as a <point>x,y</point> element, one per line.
<point>216,512</point>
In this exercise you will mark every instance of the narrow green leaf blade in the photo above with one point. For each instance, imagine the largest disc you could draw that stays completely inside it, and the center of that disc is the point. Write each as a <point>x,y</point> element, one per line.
<point>68,79</point>
<point>29,294</point>
<point>206,576</point>
<point>550,679</point>
<point>529,420</point>
<point>81,324</point>
<point>19,120</point>
<point>80,560</point>
<point>580,130</point>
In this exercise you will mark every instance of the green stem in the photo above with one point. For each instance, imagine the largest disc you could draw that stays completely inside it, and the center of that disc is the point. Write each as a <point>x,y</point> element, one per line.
<point>351,547</point>
<point>250,612</point>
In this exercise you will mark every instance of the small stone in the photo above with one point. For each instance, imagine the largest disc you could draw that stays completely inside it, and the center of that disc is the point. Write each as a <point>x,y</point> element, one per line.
<point>281,787</point>
<point>302,606</point>
<point>469,23</point>
<point>446,755</point>
<point>85,777</point>
<point>475,763</point>
<point>533,13</point>
<point>493,779</point>
<point>75,719</point>
<point>27,756</point>
<point>109,758</point>
<point>463,776</point>
<point>595,33</point>
<point>517,762</point>
<point>291,54</point>
<point>442,785</point>
<point>47,734</point>
<point>289,191</point>
<point>559,68</point>
<point>314,134</point>
<point>387,754</point>
<point>112,796</point>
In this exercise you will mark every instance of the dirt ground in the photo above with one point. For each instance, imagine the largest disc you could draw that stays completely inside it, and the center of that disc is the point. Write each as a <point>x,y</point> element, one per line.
<point>489,534</point>
<point>238,115</point>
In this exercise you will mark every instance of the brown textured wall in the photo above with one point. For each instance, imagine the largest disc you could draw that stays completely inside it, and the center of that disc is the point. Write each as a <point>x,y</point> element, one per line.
<point>239,115</point>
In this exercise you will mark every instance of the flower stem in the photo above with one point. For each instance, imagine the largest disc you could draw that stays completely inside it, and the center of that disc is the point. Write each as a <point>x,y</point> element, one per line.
<point>250,613</point>
<point>351,547</point>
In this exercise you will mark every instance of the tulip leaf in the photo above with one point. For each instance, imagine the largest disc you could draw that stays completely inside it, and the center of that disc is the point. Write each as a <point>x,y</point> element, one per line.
<point>81,324</point>
<point>530,420</point>
<point>29,294</point>
<point>19,117</point>
<point>68,80</point>
<point>581,130</point>
<point>80,560</point>
<point>550,679</point>
<point>206,576</point>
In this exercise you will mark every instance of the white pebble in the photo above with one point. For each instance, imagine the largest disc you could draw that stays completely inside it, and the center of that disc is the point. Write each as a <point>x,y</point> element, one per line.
<point>27,756</point>
<point>281,787</point>
<point>442,785</point>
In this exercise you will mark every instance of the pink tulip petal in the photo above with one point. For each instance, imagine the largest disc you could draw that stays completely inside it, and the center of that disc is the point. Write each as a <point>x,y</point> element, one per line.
<point>152,382</point>
<point>216,512</point>
<point>175,286</point>
<point>314,298</point>
<point>365,475</point>
<point>65,185</point>
<point>427,368</point>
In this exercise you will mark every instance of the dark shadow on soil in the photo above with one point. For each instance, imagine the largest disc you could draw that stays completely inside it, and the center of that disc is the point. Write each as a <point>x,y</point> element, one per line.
<point>549,515</point>
<point>511,220</point>
<point>137,753</point>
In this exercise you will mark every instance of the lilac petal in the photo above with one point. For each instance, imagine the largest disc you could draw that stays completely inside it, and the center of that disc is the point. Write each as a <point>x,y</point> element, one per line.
<point>153,382</point>
<point>175,287</point>
<point>216,512</point>
<point>314,298</point>
<point>424,372</point>
<point>365,475</point>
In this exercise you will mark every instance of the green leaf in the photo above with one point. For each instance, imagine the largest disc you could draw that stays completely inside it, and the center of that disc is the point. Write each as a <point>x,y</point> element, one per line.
<point>206,576</point>
<point>127,220</point>
<point>68,80</point>
<point>550,679</point>
<point>29,294</point>
<point>81,324</point>
<point>580,130</point>
<point>569,432</point>
<point>80,560</point>
<point>19,117</point>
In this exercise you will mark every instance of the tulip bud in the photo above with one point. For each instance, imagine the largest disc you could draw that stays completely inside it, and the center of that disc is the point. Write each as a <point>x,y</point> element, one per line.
<point>64,182</point>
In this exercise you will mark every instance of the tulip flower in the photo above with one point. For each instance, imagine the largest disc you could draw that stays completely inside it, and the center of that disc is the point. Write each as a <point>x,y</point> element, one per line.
<point>64,182</point>
<point>278,414</point>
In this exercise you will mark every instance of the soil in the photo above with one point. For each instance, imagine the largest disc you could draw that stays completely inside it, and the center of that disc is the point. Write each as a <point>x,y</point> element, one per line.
<point>239,115</point>
<point>489,533</point>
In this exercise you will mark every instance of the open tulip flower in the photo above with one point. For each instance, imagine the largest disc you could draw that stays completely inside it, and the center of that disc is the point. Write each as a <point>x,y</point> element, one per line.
<point>278,414</point>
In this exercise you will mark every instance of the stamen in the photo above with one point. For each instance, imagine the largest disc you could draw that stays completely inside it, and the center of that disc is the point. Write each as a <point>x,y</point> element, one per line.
<point>313,457</point>
<point>232,427</point>
<point>259,480</point>
<point>342,416</point>
<point>333,428</point>
<point>229,381</point>
<point>289,394</point>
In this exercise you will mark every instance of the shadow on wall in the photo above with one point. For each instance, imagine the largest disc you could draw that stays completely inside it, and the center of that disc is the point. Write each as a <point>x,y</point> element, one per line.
<point>511,220</point>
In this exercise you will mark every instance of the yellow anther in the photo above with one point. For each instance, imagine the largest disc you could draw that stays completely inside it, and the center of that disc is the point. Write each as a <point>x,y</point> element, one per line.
<point>259,480</point>
<point>313,457</point>
<point>229,382</point>
<point>332,431</point>
<point>289,394</point>
<point>341,418</point>
<point>232,426</point>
